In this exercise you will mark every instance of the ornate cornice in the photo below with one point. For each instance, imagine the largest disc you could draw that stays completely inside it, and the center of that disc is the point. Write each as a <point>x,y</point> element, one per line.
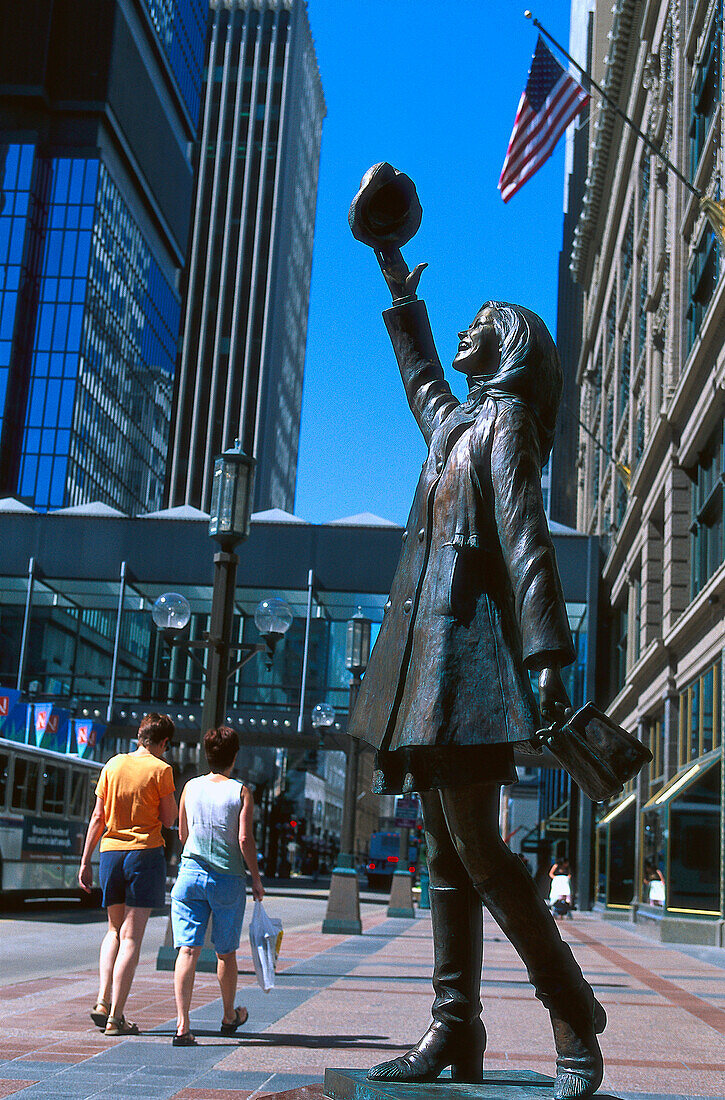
<point>594,201</point>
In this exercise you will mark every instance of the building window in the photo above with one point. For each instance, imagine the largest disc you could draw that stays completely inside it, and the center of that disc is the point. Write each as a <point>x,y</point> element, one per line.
<point>701,282</point>
<point>707,536</point>
<point>619,639</point>
<point>700,730</point>
<point>628,248</point>
<point>611,321</point>
<point>639,439</point>
<point>620,498</point>
<point>624,373</point>
<point>642,326</point>
<point>637,617</point>
<point>644,182</point>
<point>705,93</point>
<point>596,462</point>
<point>655,740</point>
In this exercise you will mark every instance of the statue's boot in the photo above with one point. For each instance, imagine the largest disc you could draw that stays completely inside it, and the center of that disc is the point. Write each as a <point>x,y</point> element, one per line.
<point>576,1016</point>
<point>456,1036</point>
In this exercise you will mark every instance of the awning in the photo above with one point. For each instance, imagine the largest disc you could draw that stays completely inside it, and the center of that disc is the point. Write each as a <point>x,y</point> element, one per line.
<point>682,780</point>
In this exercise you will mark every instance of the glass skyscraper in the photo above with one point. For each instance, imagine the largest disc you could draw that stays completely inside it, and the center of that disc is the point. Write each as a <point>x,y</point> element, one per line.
<point>244,329</point>
<point>94,205</point>
<point>180,27</point>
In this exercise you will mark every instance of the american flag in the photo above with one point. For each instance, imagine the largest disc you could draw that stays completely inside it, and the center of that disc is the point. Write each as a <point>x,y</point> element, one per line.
<point>551,99</point>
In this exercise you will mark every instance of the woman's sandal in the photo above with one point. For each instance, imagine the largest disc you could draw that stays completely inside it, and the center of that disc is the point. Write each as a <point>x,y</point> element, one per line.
<point>186,1039</point>
<point>99,1013</point>
<point>119,1025</point>
<point>240,1017</point>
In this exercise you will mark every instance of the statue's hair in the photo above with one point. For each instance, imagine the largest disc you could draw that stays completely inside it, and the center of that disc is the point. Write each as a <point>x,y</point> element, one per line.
<point>529,368</point>
<point>513,332</point>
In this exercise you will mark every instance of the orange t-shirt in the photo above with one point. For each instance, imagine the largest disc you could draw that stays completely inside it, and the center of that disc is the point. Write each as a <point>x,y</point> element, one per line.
<point>131,786</point>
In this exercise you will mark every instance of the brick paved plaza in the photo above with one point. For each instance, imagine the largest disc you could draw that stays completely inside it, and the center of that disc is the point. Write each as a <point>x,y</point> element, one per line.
<point>352,1001</point>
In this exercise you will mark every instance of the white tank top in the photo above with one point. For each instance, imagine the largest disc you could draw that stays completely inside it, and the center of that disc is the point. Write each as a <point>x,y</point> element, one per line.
<point>212,815</point>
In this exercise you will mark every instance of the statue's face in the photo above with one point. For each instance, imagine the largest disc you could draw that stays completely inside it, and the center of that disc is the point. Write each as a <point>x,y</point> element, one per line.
<point>479,352</point>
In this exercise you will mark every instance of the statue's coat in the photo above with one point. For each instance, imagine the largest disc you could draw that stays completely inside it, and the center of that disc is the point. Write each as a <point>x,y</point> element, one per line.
<point>476,597</point>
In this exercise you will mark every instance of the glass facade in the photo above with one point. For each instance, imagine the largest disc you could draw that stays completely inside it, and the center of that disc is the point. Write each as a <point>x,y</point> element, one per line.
<point>127,365</point>
<point>17,211</point>
<point>58,331</point>
<point>681,839</point>
<point>93,384</point>
<point>181,28</point>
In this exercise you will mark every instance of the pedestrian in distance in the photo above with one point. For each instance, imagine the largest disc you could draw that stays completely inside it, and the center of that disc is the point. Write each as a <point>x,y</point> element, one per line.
<point>216,828</point>
<point>560,890</point>
<point>134,799</point>
<point>654,884</point>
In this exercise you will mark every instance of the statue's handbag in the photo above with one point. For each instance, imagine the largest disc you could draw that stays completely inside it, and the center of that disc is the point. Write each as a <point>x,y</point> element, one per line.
<point>598,754</point>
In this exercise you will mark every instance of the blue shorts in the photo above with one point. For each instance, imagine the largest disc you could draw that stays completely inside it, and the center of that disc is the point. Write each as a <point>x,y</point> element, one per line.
<point>135,877</point>
<point>199,893</point>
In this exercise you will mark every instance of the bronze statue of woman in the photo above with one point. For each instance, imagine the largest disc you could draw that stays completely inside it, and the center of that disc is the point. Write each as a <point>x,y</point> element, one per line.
<point>475,606</point>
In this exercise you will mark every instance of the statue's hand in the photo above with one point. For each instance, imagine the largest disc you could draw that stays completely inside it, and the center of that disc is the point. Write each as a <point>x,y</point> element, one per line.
<point>401,281</point>
<point>554,703</point>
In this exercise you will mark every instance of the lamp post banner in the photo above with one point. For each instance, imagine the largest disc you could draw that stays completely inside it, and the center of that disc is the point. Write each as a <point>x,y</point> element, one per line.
<point>88,735</point>
<point>50,724</point>
<point>8,699</point>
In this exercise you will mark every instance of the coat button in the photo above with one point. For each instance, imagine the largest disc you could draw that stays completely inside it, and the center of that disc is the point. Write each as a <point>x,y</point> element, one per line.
<point>405,535</point>
<point>407,606</point>
<point>387,607</point>
<point>421,534</point>
<point>439,465</point>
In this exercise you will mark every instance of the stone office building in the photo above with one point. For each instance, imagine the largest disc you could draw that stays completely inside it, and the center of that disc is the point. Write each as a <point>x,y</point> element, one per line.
<point>651,482</point>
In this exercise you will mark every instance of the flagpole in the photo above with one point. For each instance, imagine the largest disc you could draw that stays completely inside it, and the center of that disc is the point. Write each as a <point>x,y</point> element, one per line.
<point>650,144</point>
<point>623,470</point>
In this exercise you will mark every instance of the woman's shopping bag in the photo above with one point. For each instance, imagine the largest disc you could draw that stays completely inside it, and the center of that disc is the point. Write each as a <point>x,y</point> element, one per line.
<point>265,938</point>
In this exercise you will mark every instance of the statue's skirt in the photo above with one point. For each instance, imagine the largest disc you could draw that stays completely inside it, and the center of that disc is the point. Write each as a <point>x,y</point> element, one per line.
<point>428,768</point>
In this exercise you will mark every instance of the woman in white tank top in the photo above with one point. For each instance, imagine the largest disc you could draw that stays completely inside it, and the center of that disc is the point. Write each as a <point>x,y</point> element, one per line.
<point>215,826</point>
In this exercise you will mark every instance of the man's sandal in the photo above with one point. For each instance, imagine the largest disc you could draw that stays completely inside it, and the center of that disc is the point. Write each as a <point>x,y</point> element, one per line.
<point>240,1017</point>
<point>99,1013</point>
<point>119,1025</point>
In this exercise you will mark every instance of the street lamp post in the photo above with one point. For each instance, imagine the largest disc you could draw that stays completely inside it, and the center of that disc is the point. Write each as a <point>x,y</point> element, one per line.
<point>343,906</point>
<point>231,509</point>
<point>229,522</point>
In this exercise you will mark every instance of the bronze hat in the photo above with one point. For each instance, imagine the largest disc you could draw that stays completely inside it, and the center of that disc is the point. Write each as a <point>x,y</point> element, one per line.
<point>386,211</point>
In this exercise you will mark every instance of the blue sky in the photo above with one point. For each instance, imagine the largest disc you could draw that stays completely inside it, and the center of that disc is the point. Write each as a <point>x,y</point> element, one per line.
<point>432,88</point>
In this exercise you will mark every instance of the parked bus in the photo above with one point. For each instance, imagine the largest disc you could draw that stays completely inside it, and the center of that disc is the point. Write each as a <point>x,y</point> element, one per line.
<point>384,859</point>
<point>45,803</point>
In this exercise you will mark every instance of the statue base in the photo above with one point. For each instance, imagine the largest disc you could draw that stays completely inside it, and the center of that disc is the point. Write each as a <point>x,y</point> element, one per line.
<point>524,1084</point>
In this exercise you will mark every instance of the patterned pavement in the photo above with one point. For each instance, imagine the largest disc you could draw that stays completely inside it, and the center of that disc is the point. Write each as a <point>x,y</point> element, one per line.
<point>347,1002</point>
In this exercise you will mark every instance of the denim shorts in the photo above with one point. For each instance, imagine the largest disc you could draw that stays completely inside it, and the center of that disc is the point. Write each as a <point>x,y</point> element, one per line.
<point>201,892</point>
<point>135,877</point>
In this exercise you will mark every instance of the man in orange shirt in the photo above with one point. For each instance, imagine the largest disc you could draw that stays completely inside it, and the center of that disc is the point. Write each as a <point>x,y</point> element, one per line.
<point>134,798</point>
